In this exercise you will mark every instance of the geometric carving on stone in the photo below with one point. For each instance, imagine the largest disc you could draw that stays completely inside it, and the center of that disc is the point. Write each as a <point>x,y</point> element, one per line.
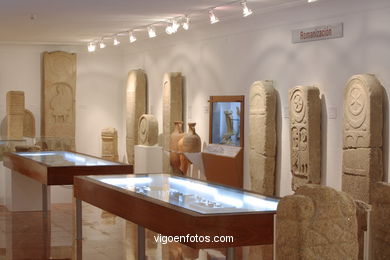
<point>15,114</point>
<point>380,224</point>
<point>136,101</point>
<point>172,110</point>
<point>317,222</point>
<point>28,124</point>
<point>305,135</point>
<point>262,137</point>
<point>58,97</point>
<point>362,136</point>
<point>147,130</point>
<point>362,212</point>
<point>110,144</point>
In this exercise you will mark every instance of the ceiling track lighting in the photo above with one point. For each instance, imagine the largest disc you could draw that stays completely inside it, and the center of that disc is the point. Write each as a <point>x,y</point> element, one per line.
<point>186,23</point>
<point>102,45</point>
<point>245,10</point>
<point>213,18</point>
<point>311,1</point>
<point>116,42</point>
<point>91,47</point>
<point>132,37</point>
<point>151,32</point>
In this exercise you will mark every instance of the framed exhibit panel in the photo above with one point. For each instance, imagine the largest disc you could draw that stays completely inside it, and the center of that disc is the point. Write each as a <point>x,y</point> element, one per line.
<point>184,206</point>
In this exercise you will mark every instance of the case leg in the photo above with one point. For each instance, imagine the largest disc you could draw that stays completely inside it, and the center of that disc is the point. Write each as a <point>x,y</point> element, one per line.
<point>79,220</point>
<point>45,206</point>
<point>230,253</point>
<point>141,242</point>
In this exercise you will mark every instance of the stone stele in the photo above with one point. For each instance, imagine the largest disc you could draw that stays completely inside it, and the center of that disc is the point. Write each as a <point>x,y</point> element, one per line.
<point>28,124</point>
<point>136,98</point>
<point>15,114</point>
<point>110,144</point>
<point>58,97</point>
<point>305,135</point>
<point>380,224</point>
<point>147,130</point>
<point>172,110</point>
<point>317,222</point>
<point>362,212</point>
<point>362,138</point>
<point>262,137</point>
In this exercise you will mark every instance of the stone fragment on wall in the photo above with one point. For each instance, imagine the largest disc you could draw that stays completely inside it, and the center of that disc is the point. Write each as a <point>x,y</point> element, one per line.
<point>172,110</point>
<point>262,137</point>
<point>28,124</point>
<point>362,136</point>
<point>380,224</point>
<point>15,114</point>
<point>58,99</point>
<point>305,135</point>
<point>317,222</point>
<point>147,130</point>
<point>110,144</point>
<point>136,101</point>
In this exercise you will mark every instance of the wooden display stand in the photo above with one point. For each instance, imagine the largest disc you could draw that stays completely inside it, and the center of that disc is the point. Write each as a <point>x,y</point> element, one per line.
<point>224,164</point>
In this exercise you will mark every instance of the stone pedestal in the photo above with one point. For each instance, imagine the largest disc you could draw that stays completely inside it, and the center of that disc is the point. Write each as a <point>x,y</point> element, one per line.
<point>148,159</point>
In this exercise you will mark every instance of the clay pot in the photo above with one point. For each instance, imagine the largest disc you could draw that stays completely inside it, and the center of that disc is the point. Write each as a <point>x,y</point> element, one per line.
<point>182,159</point>
<point>191,141</point>
<point>176,135</point>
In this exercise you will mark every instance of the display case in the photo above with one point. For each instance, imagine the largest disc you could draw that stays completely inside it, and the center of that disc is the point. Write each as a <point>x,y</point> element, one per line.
<point>173,205</point>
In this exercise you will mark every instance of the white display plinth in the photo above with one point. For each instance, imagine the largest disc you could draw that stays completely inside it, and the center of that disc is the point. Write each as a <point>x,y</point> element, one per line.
<point>23,193</point>
<point>148,159</point>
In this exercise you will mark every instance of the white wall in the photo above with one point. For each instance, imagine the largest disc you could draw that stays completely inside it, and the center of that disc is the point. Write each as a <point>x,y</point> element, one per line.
<point>226,58</point>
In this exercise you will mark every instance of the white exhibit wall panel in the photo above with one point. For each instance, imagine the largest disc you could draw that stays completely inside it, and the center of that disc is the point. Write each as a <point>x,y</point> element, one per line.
<point>227,57</point>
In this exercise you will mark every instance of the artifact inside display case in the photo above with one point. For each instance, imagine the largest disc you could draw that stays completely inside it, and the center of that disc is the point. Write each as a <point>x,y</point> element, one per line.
<point>198,196</point>
<point>61,158</point>
<point>226,120</point>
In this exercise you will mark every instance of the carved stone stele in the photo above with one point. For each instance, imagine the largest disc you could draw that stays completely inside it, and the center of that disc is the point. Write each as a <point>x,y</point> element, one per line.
<point>172,110</point>
<point>110,144</point>
<point>147,130</point>
<point>317,222</point>
<point>136,99</point>
<point>15,114</point>
<point>380,224</point>
<point>262,137</point>
<point>28,124</point>
<point>305,135</point>
<point>362,137</point>
<point>58,97</point>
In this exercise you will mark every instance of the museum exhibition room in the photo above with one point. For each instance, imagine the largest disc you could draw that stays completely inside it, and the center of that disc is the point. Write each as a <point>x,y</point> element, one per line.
<point>184,130</point>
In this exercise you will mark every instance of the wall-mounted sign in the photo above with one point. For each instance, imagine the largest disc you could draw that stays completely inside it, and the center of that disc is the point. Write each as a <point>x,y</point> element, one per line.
<point>317,33</point>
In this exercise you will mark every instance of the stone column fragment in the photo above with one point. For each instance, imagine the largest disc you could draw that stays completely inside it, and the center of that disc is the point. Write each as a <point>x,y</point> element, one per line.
<point>15,114</point>
<point>380,224</point>
<point>58,98</point>
<point>172,110</point>
<point>136,101</point>
<point>262,137</point>
<point>362,137</point>
<point>28,124</point>
<point>305,135</point>
<point>147,130</point>
<point>317,222</point>
<point>110,144</point>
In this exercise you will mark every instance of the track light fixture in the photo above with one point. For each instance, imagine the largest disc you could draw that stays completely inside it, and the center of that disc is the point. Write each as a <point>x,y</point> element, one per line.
<point>151,32</point>
<point>102,45</point>
<point>132,37</point>
<point>245,10</point>
<point>213,18</point>
<point>311,1</point>
<point>116,42</point>
<point>186,23</point>
<point>91,47</point>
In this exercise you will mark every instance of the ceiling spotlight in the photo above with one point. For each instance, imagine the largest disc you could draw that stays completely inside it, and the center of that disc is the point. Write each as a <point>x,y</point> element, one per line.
<point>116,42</point>
<point>132,38</point>
<point>102,45</point>
<point>213,18</point>
<point>311,1</point>
<point>151,32</point>
<point>91,47</point>
<point>169,29</point>
<point>175,25</point>
<point>186,23</point>
<point>246,11</point>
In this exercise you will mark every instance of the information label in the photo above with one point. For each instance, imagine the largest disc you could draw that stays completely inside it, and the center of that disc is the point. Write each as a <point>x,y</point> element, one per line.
<point>318,33</point>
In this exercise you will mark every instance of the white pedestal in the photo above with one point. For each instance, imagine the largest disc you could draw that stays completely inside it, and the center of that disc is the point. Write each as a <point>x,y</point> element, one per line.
<point>23,193</point>
<point>148,159</point>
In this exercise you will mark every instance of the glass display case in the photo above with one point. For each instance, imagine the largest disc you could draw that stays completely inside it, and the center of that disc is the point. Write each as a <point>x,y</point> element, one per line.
<point>226,120</point>
<point>62,158</point>
<point>195,195</point>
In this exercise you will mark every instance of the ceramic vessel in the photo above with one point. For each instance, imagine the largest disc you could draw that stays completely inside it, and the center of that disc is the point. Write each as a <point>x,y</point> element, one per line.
<point>176,135</point>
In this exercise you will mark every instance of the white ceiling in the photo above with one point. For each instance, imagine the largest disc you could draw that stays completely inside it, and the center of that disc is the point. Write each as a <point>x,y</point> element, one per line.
<point>80,21</point>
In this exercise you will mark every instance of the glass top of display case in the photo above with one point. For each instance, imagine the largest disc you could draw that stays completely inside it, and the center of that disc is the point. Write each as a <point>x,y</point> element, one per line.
<point>198,196</point>
<point>62,158</point>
